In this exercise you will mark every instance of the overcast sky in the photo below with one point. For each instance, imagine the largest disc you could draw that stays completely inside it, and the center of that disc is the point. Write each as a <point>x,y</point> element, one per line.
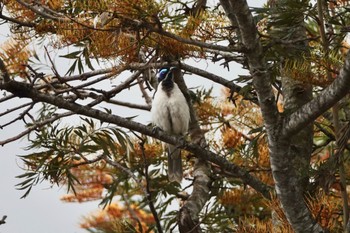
<point>42,211</point>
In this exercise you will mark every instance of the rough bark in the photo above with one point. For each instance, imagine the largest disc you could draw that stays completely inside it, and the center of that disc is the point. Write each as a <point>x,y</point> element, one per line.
<point>286,182</point>
<point>326,99</point>
<point>295,94</point>
<point>188,216</point>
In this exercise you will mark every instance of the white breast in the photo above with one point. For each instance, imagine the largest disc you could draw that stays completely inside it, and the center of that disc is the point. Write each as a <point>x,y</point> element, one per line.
<point>170,113</point>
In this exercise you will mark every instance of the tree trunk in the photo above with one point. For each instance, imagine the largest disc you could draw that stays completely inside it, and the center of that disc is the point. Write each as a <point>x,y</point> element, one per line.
<point>286,179</point>
<point>295,94</point>
<point>288,189</point>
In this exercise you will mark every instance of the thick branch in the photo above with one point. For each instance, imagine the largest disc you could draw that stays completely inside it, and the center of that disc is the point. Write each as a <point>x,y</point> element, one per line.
<point>188,219</point>
<point>328,97</point>
<point>16,21</point>
<point>25,90</point>
<point>257,64</point>
<point>286,184</point>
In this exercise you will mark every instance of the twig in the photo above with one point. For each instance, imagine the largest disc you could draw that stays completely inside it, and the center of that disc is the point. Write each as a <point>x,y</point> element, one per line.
<point>132,213</point>
<point>97,80</point>
<point>112,92</point>
<point>41,11</point>
<point>48,9</point>
<point>21,116</point>
<point>130,105</point>
<point>53,67</point>
<point>34,127</point>
<point>87,75</point>
<point>124,85</point>
<point>342,173</point>
<point>148,190</point>
<point>195,42</point>
<point>16,21</point>
<point>2,221</point>
<point>6,98</point>
<point>126,170</point>
<point>109,94</point>
<point>87,161</point>
<point>144,93</point>
<point>15,109</point>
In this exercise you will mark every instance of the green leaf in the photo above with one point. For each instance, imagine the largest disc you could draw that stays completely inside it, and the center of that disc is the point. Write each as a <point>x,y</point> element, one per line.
<point>28,174</point>
<point>87,59</point>
<point>131,117</point>
<point>80,66</point>
<point>256,130</point>
<point>25,184</point>
<point>73,55</point>
<point>72,68</point>
<point>26,193</point>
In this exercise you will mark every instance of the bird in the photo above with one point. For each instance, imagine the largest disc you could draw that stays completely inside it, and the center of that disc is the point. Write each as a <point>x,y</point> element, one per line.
<point>170,112</point>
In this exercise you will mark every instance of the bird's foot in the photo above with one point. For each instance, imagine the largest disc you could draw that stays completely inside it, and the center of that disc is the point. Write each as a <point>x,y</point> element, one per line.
<point>156,129</point>
<point>182,140</point>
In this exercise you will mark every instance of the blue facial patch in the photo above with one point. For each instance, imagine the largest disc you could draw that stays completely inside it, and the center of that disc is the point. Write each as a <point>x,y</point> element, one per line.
<point>162,74</point>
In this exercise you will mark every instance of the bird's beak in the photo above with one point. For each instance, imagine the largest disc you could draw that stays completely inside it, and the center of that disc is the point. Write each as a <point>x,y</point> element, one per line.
<point>172,68</point>
<point>169,75</point>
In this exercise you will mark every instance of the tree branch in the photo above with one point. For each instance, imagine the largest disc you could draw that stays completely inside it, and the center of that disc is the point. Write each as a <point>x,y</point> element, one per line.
<point>25,90</point>
<point>188,215</point>
<point>326,99</point>
<point>215,78</point>
<point>130,105</point>
<point>15,108</point>
<point>16,21</point>
<point>40,10</point>
<point>34,127</point>
<point>21,116</point>
<point>256,62</point>
<point>148,189</point>
<point>127,171</point>
<point>197,43</point>
<point>286,182</point>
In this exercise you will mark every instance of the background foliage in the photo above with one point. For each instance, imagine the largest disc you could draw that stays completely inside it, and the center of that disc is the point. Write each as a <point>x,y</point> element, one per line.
<point>125,169</point>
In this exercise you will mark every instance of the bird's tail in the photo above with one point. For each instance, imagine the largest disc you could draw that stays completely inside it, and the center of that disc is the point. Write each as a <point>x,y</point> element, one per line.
<point>175,164</point>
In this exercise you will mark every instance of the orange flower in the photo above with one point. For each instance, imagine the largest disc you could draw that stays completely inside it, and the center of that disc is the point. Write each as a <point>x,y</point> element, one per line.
<point>16,55</point>
<point>231,138</point>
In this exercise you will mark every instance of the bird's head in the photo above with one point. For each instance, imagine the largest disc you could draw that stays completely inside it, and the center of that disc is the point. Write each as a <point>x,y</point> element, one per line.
<point>165,73</point>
